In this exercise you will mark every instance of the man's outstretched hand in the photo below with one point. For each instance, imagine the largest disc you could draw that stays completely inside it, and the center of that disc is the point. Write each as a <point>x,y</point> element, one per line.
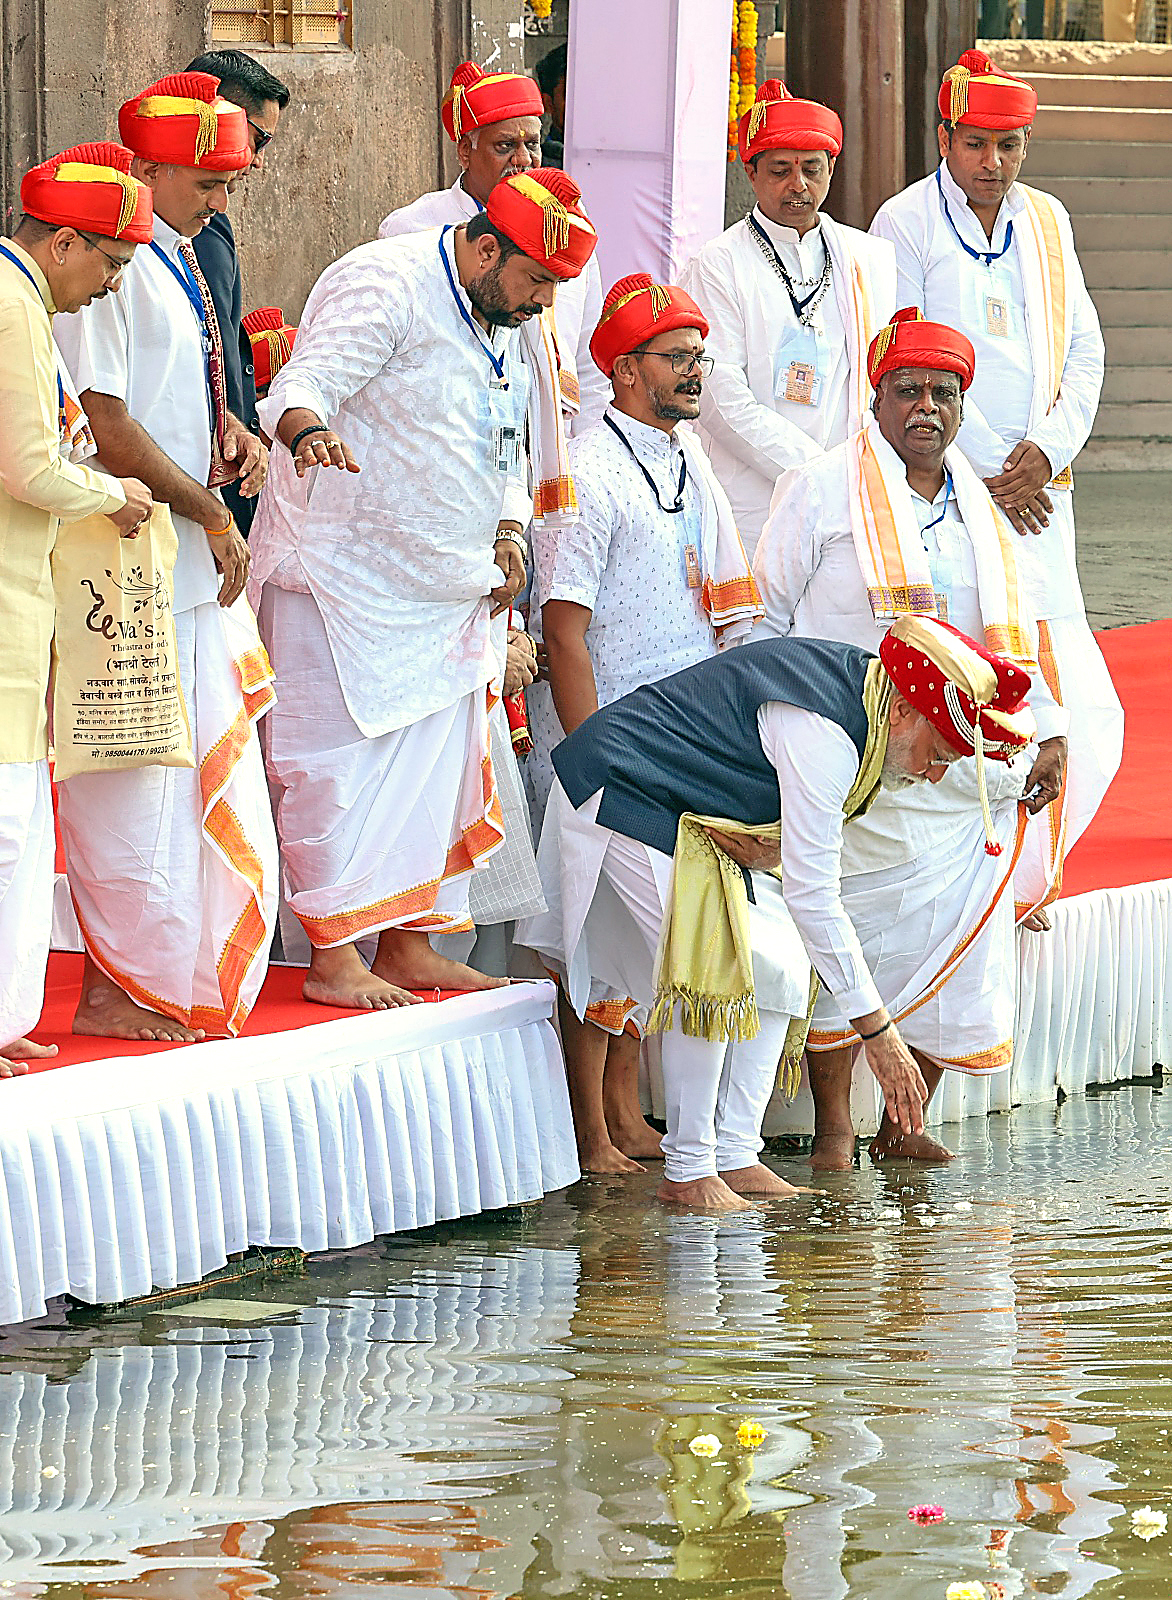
<point>896,1071</point>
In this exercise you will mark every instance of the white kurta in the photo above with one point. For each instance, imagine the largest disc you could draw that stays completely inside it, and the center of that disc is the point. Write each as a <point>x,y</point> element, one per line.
<point>624,561</point>
<point>173,871</point>
<point>753,432</point>
<point>916,878</point>
<point>399,556</point>
<point>577,306</point>
<point>1002,407</point>
<point>143,346</point>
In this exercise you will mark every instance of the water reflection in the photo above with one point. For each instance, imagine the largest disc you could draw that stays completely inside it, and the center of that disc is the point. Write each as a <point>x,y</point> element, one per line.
<point>506,1409</point>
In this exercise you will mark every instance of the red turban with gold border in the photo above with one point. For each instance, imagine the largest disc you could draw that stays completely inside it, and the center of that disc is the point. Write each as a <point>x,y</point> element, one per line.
<point>947,676</point>
<point>910,341</point>
<point>540,212</point>
<point>975,93</point>
<point>635,310</point>
<point>777,121</point>
<point>90,187</point>
<point>271,338</point>
<point>476,98</point>
<point>182,119</point>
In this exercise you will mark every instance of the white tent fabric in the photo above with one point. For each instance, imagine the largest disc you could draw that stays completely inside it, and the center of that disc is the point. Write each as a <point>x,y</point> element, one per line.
<point>150,1171</point>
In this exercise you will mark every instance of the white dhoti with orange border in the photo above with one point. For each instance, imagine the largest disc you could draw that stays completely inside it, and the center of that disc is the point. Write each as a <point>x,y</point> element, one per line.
<point>377,831</point>
<point>26,894</point>
<point>173,870</point>
<point>934,914</point>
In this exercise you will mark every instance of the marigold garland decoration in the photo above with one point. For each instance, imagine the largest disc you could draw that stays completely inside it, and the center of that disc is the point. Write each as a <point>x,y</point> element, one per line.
<point>540,8</point>
<point>742,88</point>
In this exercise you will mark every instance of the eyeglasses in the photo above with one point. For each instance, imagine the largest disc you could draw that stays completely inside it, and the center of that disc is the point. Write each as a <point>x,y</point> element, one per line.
<point>683,362</point>
<point>118,266</point>
<point>263,136</point>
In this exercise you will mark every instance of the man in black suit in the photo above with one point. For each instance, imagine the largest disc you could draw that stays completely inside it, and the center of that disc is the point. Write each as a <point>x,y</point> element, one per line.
<point>263,97</point>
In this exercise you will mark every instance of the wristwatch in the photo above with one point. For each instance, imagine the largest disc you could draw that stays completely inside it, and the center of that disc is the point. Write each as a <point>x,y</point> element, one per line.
<point>513,538</point>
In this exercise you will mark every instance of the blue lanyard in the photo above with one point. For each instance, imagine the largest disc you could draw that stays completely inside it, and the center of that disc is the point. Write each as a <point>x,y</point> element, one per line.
<point>987,256</point>
<point>20,267</point>
<point>935,522</point>
<point>187,283</point>
<point>498,364</point>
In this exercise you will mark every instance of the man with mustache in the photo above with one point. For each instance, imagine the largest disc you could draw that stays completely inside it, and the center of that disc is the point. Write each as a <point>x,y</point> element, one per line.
<point>83,216</point>
<point>794,299</point>
<point>381,578</point>
<point>979,250</point>
<point>896,521</point>
<point>177,915</point>
<point>675,799</point>
<point>652,578</point>
<point>494,121</point>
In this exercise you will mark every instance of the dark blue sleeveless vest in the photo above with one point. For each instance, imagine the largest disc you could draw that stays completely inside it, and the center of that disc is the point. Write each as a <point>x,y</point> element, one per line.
<point>690,742</point>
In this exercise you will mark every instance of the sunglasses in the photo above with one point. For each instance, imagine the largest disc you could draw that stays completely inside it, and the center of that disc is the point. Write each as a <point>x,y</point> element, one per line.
<point>263,136</point>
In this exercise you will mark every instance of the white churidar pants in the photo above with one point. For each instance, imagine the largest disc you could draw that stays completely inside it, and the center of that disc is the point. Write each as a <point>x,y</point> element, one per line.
<point>379,832</point>
<point>26,894</point>
<point>177,898</point>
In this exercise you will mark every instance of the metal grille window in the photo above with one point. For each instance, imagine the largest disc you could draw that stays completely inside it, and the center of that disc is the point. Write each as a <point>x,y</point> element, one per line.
<point>284,24</point>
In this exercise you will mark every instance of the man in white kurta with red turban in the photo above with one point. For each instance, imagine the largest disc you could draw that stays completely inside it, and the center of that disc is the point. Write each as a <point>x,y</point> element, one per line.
<point>386,583</point>
<point>979,250</point>
<point>173,871</point>
<point>793,299</point>
<point>896,521</point>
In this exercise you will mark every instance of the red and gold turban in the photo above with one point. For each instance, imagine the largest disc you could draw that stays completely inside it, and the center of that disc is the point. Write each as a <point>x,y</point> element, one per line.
<point>183,120</point>
<point>90,187</point>
<point>909,341</point>
<point>271,339</point>
<point>540,212</point>
<point>975,92</point>
<point>476,98</point>
<point>635,310</point>
<point>948,678</point>
<point>776,121</point>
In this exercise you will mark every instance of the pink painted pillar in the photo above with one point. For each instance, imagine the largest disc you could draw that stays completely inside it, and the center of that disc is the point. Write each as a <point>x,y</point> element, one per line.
<point>646,128</point>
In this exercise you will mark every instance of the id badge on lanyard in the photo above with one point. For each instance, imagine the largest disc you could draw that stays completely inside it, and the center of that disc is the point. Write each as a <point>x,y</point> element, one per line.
<point>995,302</point>
<point>799,371</point>
<point>506,426</point>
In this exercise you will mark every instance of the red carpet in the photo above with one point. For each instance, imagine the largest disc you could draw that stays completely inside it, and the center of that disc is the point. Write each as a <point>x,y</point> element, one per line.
<point>1130,841</point>
<point>279,1008</point>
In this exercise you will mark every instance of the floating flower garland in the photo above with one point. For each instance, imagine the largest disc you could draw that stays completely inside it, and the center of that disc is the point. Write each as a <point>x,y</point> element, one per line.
<point>742,87</point>
<point>540,8</point>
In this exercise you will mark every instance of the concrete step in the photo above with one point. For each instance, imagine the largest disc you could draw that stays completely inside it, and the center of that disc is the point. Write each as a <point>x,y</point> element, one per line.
<point>1103,158</point>
<point>1132,233</point>
<point>1100,89</point>
<point>1120,197</point>
<point>1126,268</point>
<point>1138,347</point>
<point>1145,419</point>
<point>1124,455</point>
<point>1134,308</point>
<point>1126,385</point>
<point>1113,124</point>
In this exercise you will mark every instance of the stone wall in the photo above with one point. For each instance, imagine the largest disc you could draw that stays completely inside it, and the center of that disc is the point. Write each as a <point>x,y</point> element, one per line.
<point>359,136</point>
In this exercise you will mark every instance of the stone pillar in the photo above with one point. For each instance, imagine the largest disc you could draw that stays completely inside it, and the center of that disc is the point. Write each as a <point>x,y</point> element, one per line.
<point>934,38</point>
<point>22,99</point>
<point>849,54</point>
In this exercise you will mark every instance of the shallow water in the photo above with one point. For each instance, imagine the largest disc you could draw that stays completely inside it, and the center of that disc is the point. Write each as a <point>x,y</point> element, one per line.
<point>504,1408</point>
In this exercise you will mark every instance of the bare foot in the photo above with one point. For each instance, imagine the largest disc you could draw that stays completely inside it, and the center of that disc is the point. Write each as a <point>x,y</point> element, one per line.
<point>896,1146</point>
<point>598,1155</point>
<point>760,1179</point>
<point>366,993</point>
<point>105,1012</point>
<point>833,1152</point>
<point>406,957</point>
<point>1036,922</point>
<point>13,1066</point>
<point>28,1050</point>
<point>701,1194</point>
<point>636,1138</point>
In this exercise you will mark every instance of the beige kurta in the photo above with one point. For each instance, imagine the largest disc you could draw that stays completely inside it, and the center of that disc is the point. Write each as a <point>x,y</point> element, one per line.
<point>39,489</point>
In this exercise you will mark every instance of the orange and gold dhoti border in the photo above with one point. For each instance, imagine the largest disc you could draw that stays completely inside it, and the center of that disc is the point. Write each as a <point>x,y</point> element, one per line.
<point>376,832</point>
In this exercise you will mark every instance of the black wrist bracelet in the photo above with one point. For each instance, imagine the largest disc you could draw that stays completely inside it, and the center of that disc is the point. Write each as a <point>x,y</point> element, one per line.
<point>318,427</point>
<point>888,1024</point>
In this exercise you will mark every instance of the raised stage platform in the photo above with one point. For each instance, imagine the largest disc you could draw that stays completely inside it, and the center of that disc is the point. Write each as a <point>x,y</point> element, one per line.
<point>134,1166</point>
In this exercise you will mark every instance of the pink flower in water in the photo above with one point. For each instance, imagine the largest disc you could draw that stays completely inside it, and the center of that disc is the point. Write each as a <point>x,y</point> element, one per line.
<point>925,1514</point>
